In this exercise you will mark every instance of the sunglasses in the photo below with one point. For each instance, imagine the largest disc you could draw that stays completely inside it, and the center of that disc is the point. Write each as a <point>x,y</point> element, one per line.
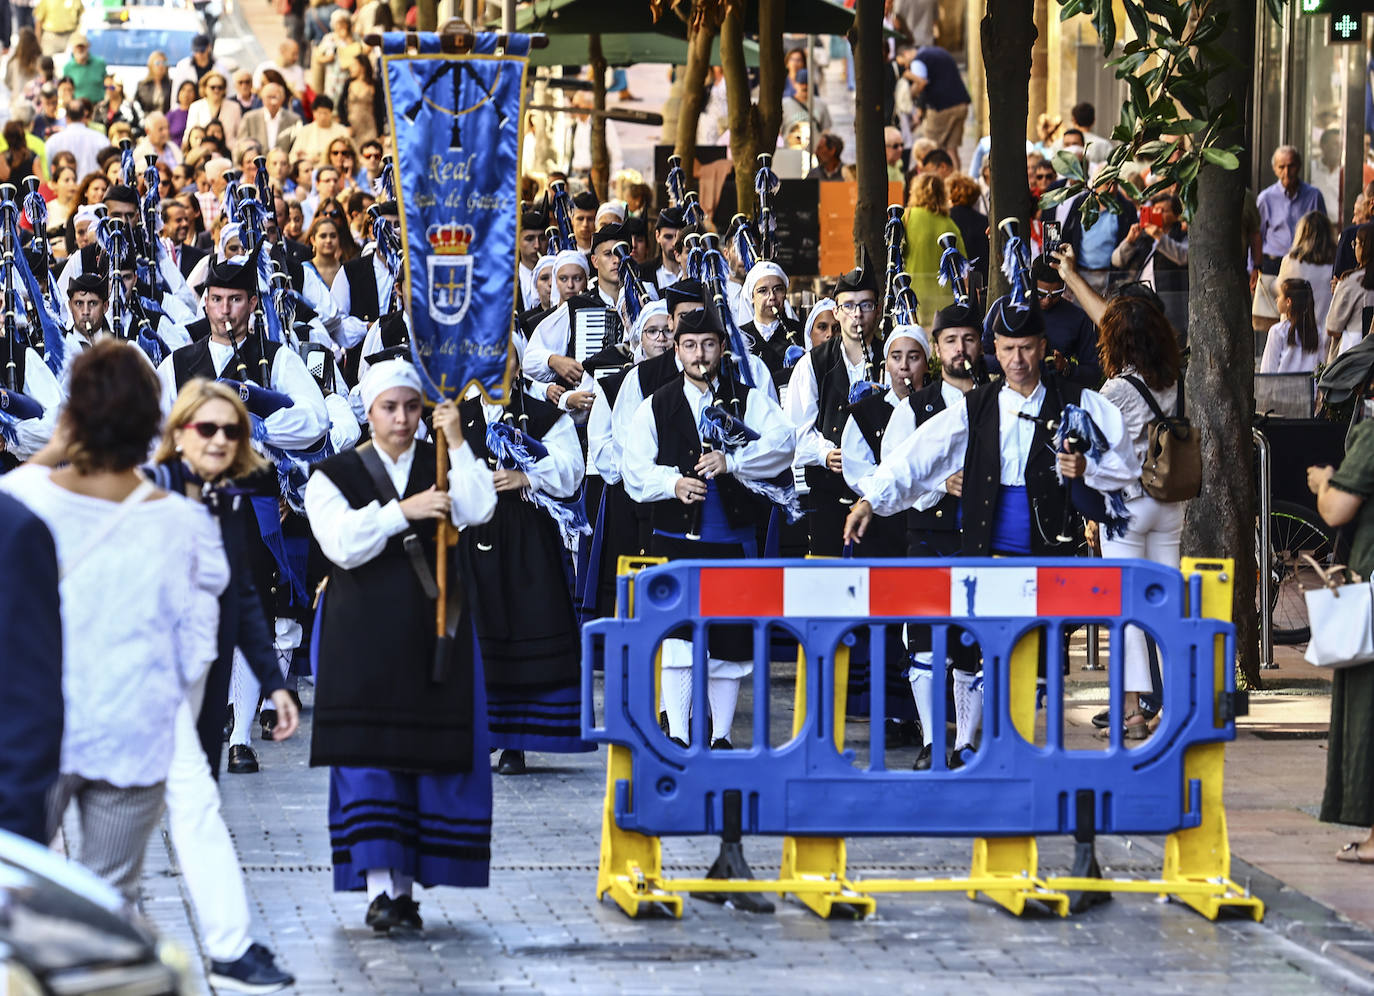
<point>206,430</point>
<point>341,152</point>
<point>1044,295</point>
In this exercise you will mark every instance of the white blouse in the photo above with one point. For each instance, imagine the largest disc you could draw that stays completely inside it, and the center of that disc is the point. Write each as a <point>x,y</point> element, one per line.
<point>139,622</point>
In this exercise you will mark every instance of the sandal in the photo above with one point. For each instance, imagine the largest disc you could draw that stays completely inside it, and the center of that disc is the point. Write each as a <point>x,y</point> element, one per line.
<point>1350,854</point>
<point>1129,730</point>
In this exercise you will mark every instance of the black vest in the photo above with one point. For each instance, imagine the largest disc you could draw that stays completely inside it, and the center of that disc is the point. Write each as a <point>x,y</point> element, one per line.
<point>773,351</point>
<point>679,446</point>
<point>887,533</point>
<point>983,471</point>
<point>362,289</point>
<point>832,411</point>
<point>540,417</point>
<point>376,705</point>
<point>943,518</point>
<point>194,360</point>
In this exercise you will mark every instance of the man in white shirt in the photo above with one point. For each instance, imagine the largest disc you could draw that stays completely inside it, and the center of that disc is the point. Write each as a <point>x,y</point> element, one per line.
<point>79,138</point>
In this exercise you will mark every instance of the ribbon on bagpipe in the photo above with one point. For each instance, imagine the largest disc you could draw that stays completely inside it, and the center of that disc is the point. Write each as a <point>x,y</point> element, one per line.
<point>562,214</point>
<point>156,250</point>
<point>456,124</point>
<point>696,256</point>
<point>293,466</point>
<point>386,183</point>
<point>128,170</point>
<point>861,389</point>
<point>744,243</point>
<point>717,274</point>
<point>766,187</point>
<point>727,433</point>
<point>54,345</point>
<point>1077,432</point>
<point>692,212</point>
<point>516,450</point>
<point>954,272</point>
<point>675,183</point>
<point>16,407</point>
<point>1016,266</point>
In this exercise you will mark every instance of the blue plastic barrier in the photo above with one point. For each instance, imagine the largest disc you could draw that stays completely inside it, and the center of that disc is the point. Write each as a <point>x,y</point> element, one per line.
<point>1012,788</point>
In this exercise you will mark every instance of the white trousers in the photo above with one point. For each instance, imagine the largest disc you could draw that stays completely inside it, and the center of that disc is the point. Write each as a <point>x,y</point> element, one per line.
<point>204,849</point>
<point>1156,527</point>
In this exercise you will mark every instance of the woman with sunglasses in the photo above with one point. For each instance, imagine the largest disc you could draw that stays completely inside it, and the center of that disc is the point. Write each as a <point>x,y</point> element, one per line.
<point>204,454</point>
<point>212,106</point>
<point>345,160</point>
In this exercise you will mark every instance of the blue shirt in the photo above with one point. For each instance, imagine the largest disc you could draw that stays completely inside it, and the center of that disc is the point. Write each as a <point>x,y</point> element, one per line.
<point>1098,243</point>
<point>1280,214</point>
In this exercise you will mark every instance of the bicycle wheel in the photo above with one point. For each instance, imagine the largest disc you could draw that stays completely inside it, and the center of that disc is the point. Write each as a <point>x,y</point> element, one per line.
<point>1293,531</point>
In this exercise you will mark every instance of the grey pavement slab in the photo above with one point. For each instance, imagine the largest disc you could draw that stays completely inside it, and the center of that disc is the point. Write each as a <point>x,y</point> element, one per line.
<point>540,929</point>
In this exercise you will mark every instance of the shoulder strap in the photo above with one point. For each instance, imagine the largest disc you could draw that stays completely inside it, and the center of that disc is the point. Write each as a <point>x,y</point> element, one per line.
<point>135,497</point>
<point>1144,392</point>
<point>381,480</point>
<point>372,463</point>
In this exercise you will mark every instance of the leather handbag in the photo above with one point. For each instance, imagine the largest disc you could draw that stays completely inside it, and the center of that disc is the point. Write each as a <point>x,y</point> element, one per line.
<point>1172,468</point>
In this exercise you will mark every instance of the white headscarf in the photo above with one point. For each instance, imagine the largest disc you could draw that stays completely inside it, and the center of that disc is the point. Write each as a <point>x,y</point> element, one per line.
<point>229,231</point>
<point>763,268</point>
<point>819,308</point>
<point>568,257</point>
<point>383,376</point>
<point>914,332</point>
<point>540,264</point>
<point>637,330</point>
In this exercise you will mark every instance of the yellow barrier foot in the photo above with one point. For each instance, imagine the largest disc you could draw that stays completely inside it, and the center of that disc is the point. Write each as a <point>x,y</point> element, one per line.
<point>630,868</point>
<point>636,894</point>
<point>822,859</point>
<point>1015,861</point>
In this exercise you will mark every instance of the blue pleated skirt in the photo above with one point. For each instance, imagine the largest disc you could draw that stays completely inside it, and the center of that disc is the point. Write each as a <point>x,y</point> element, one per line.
<point>545,718</point>
<point>435,828</point>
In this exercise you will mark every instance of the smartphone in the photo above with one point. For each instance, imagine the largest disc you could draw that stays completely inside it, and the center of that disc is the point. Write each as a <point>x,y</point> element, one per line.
<point>1150,215</point>
<point>1050,238</point>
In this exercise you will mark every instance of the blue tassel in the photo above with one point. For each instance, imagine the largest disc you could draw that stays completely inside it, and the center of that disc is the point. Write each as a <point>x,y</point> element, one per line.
<point>1016,268</point>
<point>127,169</point>
<point>717,273</point>
<point>676,186</point>
<point>728,433</point>
<point>1077,423</point>
<point>861,389</point>
<point>793,354</point>
<point>744,246</point>
<point>629,285</point>
<point>954,272</point>
<point>54,344</point>
<point>516,450</point>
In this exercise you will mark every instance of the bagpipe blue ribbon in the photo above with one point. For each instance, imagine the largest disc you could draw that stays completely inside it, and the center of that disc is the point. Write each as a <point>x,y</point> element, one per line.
<point>54,345</point>
<point>293,466</point>
<point>1108,508</point>
<point>717,273</point>
<point>16,407</point>
<point>516,450</point>
<point>861,389</point>
<point>1017,272</point>
<point>728,434</point>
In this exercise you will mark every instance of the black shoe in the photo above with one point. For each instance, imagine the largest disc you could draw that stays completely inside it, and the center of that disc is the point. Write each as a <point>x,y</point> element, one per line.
<point>961,756</point>
<point>1103,719</point>
<point>922,760</point>
<point>255,972</point>
<point>381,914</point>
<point>267,719</point>
<point>721,743</point>
<point>678,741</point>
<point>511,762</point>
<point>242,760</point>
<point>406,912</point>
<point>228,724</point>
<point>663,721</point>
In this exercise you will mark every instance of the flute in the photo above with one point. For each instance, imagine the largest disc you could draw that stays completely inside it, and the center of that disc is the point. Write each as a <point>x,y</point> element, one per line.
<point>241,367</point>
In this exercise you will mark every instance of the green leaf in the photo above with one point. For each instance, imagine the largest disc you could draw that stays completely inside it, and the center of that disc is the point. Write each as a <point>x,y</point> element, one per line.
<point>1061,194</point>
<point>1140,21</point>
<point>1221,157</point>
<point>1067,163</point>
<point>1128,188</point>
<point>1104,22</point>
<point>1275,8</point>
<point>1185,126</point>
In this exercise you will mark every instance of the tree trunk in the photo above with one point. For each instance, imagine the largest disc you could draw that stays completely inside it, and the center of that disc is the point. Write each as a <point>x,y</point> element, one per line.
<point>699,39</point>
<point>771,73</point>
<point>744,116</point>
<point>1220,384</point>
<point>1008,35</point>
<point>870,161</point>
<point>601,158</point>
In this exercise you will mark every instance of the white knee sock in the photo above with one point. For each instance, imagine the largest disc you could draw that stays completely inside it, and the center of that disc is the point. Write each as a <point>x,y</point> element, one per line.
<point>378,883</point>
<point>401,883</point>
<point>922,683</point>
<point>243,696</point>
<point>968,707</point>
<point>723,694</point>
<point>677,701</point>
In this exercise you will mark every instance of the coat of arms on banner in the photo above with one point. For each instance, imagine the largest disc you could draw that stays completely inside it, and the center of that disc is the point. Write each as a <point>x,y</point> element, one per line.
<point>450,271</point>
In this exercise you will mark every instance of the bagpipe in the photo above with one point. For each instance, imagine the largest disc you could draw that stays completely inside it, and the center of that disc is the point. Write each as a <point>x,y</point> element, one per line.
<point>560,233</point>
<point>894,240</point>
<point>510,446</point>
<point>766,186</point>
<point>45,332</point>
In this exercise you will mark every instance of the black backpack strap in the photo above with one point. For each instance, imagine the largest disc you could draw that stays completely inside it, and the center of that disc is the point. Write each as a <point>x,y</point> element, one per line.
<point>1144,392</point>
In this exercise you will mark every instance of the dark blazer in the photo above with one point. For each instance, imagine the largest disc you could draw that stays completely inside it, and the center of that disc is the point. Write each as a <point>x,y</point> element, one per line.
<point>242,624</point>
<point>188,258</point>
<point>31,646</point>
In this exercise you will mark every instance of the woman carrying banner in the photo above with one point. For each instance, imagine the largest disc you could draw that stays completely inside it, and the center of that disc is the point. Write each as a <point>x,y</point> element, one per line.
<point>403,731</point>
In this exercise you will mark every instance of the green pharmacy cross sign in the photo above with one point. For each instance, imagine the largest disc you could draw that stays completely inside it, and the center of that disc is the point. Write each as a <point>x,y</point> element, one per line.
<point>1346,27</point>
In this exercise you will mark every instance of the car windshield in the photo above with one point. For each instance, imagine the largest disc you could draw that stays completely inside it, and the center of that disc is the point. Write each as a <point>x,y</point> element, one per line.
<point>126,46</point>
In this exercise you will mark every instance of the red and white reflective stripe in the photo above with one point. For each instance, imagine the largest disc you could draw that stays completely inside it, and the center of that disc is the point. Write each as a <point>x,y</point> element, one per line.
<point>859,592</point>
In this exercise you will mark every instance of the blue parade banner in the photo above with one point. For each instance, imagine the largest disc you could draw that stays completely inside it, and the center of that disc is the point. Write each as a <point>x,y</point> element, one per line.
<point>456,121</point>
